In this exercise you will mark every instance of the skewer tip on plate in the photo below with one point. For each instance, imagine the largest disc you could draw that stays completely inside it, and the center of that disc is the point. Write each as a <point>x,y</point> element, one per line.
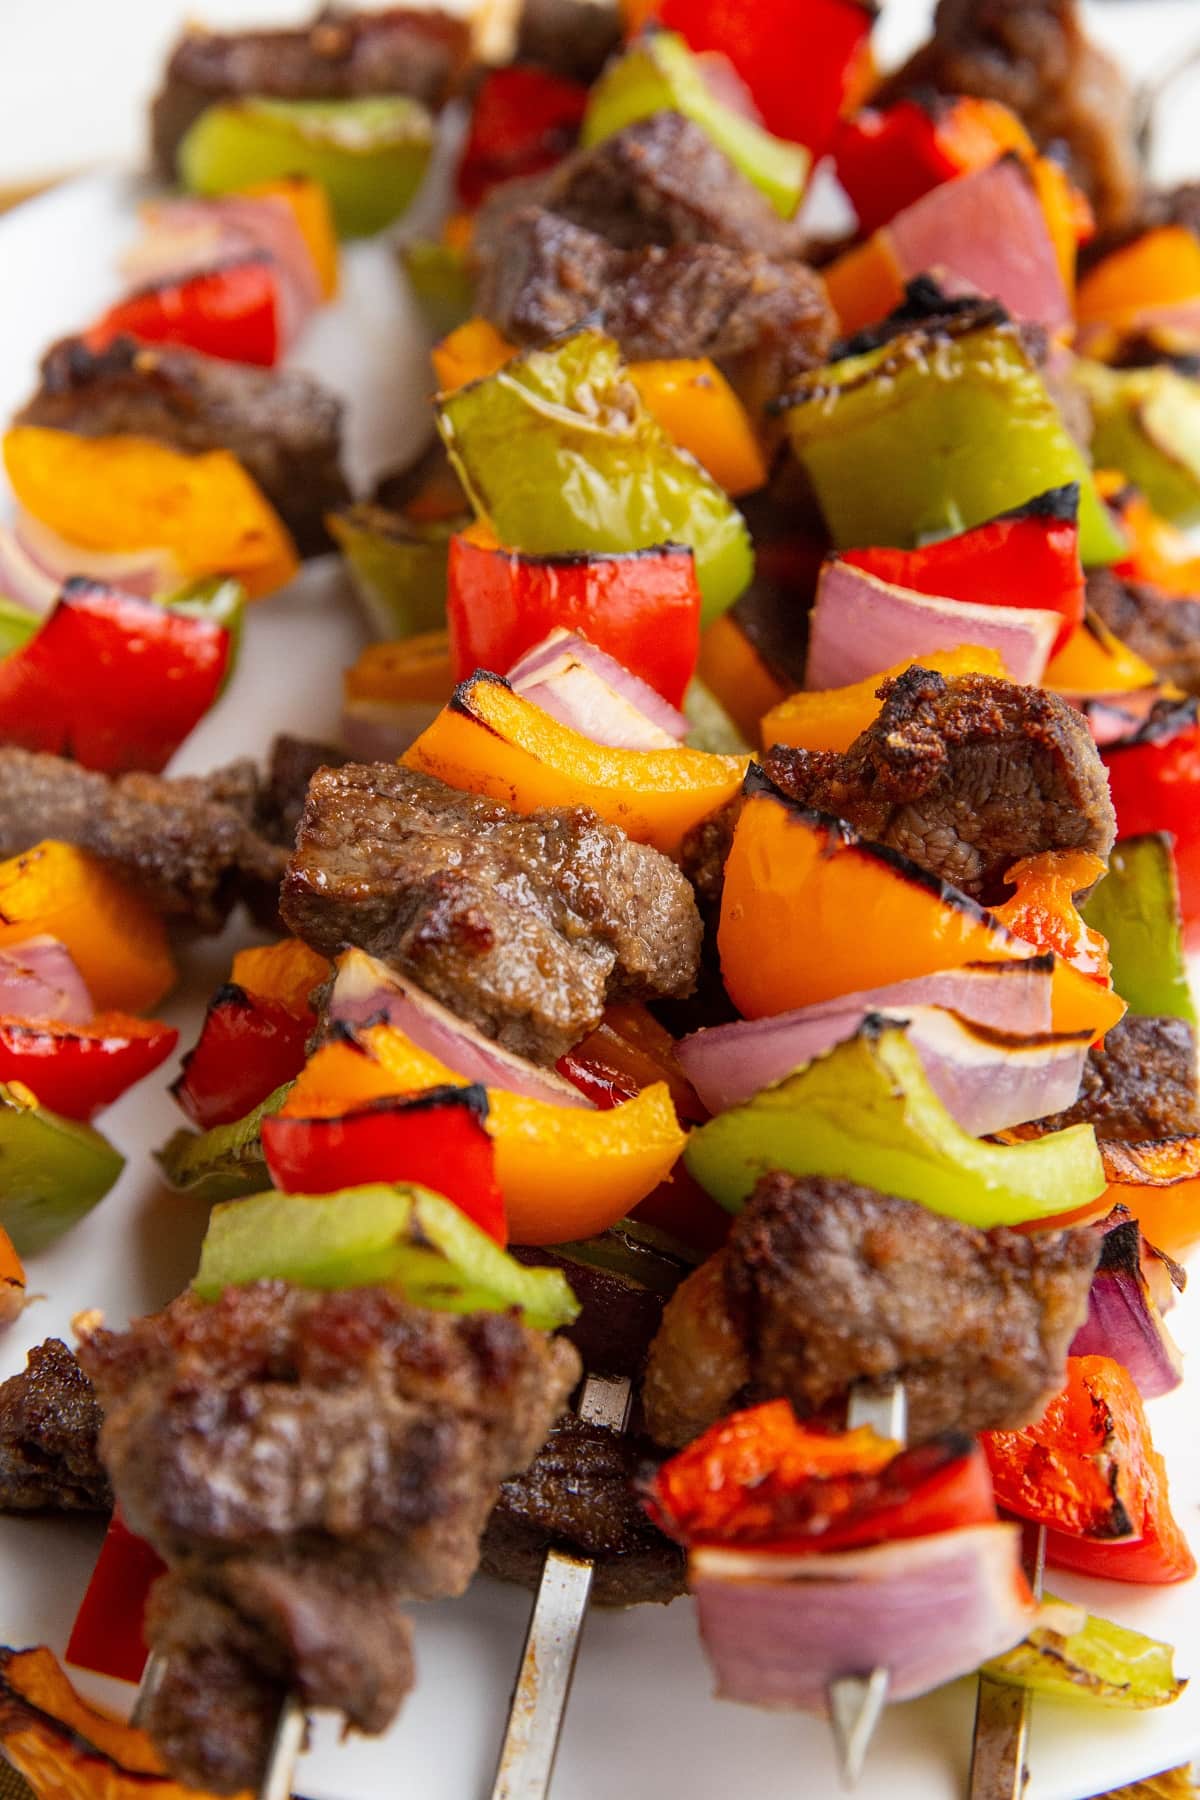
<point>856,1704</point>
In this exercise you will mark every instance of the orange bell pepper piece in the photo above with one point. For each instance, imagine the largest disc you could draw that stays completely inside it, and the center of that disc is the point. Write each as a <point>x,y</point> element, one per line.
<point>492,741</point>
<point>833,719</point>
<point>470,352</point>
<point>1158,552</point>
<point>1044,913</point>
<point>308,203</point>
<point>865,284</point>
<point>565,1172</point>
<point>287,971</point>
<point>415,668</point>
<point>736,675</point>
<point>1158,1179</point>
<point>1094,661</point>
<point>132,493</point>
<point>119,944</point>
<point>1157,271</point>
<point>696,406</point>
<point>1066,211</point>
<point>12,1281</point>
<point>811,912</point>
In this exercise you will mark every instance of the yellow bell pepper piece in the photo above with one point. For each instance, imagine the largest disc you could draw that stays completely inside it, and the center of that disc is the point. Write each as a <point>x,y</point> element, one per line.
<point>287,971</point>
<point>415,668</point>
<point>494,742</point>
<point>119,944</point>
<point>831,720</point>
<point>469,353</point>
<point>308,203</point>
<point>696,406</point>
<point>132,493</point>
<point>736,675</point>
<point>1094,661</point>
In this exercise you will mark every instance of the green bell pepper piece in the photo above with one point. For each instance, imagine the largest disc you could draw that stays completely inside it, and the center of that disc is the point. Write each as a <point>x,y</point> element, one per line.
<point>221,599</point>
<point>442,284</point>
<point>369,154</point>
<point>17,626</point>
<point>52,1170</point>
<point>709,725</point>
<point>224,1162</point>
<point>1147,425</point>
<point>658,73</point>
<point>398,568</point>
<point>1099,1661</point>
<point>402,1237</point>
<point>557,450</point>
<point>1136,907</point>
<point>934,432</point>
<point>866,1111</point>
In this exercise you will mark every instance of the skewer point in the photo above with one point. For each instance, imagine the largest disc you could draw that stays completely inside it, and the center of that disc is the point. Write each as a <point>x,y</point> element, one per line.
<point>856,1704</point>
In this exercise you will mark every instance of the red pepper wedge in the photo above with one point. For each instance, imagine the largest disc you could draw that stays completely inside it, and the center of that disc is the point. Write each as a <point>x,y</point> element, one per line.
<point>113,681</point>
<point>233,312</point>
<point>437,1139</point>
<point>249,1045</point>
<point>1028,557</point>
<point>628,1051</point>
<point>77,1070</point>
<point>888,158</point>
<point>642,607</point>
<point>523,120</point>
<point>1155,783</point>
<point>107,1636</point>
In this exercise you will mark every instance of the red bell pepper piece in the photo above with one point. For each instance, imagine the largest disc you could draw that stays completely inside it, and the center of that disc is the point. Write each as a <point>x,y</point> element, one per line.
<point>1028,557</point>
<point>888,159</point>
<point>524,119</point>
<point>437,1140</point>
<point>77,1070</point>
<point>642,607</point>
<point>1089,1471</point>
<point>1155,782</point>
<point>234,312</point>
<point>800,60</point>
<point>113,681</point>
<point>248,1046</point>
<point>107,1635</point>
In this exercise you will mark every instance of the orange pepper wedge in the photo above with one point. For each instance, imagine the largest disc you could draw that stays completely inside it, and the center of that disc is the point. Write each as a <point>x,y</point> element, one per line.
<point>1066,212</point>
<point>811,912</point>
<point>287,971</point>
<point>415,668</point>
<point>12,1281</point>
<point>565,1172</point>
<point>1158,1179</point>
<point>736,675</point>
<point>471,351</point>
<point>831,720</point>
<point>1094,661</point>
<point>698,409</point>
<point>1161,268</point>
<point>119,944</point>
<point>133,493</point>
<point>1043,912</point>
<point>308,203</point>
<point>491,741</point>
<point>865,284</point>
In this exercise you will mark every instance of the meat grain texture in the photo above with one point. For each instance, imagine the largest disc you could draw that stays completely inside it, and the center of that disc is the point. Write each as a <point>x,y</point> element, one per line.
<point>1164,628</point>
<point>1139,1083</point>
<point>49,1426</point>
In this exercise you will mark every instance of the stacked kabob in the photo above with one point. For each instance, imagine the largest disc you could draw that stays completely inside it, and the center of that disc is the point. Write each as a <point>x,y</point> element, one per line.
<point>902,993</point>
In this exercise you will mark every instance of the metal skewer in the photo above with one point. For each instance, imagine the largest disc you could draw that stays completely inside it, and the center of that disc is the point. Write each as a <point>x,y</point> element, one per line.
<point>856,1702</point>
<point>543,1684</point>
<point>286,1744</point>
<point>1002,1713</point>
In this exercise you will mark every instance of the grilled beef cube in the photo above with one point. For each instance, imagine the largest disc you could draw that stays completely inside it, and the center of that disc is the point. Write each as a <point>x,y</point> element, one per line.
<point>1163,628</point>
<point>1034,57</point>
<point>1139,1083</point>
<point>281,424</point>
<point>49,1424</point>
<point>579,1495</point>
<point>525,926</point>
<point>965,777</point>
<point>573,38</point>
<point>338,57</point>
<point>191,856</point>
<point>302,1460</point>
<point>824,1284</point>
<point>291,766</point>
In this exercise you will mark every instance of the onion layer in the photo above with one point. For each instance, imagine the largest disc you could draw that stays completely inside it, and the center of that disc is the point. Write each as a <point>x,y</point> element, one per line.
<point>39,981</point>
<point>1123,1319</point>
<point>593,693</point>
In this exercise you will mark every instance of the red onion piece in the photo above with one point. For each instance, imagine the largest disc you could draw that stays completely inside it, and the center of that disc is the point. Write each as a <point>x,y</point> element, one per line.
<point>985,233</point>
<point>187,237</point>
<point>382,730</point>
<point>144,573</point>
<point>860,625</point>
<point>39,982</point>
<point>1123,1321</point>
<point>22,579</point>
<point>366,990</point>
<point>779,1628</point>
<point>592,693</point>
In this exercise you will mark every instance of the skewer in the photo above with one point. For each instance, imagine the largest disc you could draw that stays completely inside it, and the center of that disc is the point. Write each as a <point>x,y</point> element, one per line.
<point>856,1702</point>
<point>286,1744</point>
<point>1002,1713</point>
<point>543,1685</point>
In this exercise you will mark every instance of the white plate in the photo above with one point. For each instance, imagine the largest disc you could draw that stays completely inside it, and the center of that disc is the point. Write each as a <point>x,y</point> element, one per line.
<point>641,1723</point>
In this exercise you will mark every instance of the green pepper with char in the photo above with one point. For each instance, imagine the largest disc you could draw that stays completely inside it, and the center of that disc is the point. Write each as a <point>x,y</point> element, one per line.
<point>52,1170</point>
<point>1136,907</point>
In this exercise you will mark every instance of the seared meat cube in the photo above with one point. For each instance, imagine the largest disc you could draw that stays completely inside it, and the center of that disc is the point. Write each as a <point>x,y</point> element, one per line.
<point>571,37</point>
<point>525,926</point>
<point>965,777</point>
<point>1163,628</point>
<point>281,424</point>
<point>1034,57</point>
<point>49,1424</point>
<point>579,1495</point>
<point>1139,1083</point>
<point>338,57</point>
<point>824,1284</point>
<point>301,1459</point>
<point>290,767</point>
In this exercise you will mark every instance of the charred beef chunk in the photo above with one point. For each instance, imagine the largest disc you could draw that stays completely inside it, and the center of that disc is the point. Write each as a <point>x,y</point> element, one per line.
<point>525,926</point>
<point>290,767</point>
<point>1139,1083</point>
<point>1163,628</point>
<point>1034,57</point>
<point>191,856</point>
<point>49,1424</point>
<point>281,424</point>
<point>965,777</point>
<point>340,56</point>
<point>574,38</point>
<point>579,1495</point>
<point>704,853</point>
<point>824,1284</point>
<point>302,1460</point>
